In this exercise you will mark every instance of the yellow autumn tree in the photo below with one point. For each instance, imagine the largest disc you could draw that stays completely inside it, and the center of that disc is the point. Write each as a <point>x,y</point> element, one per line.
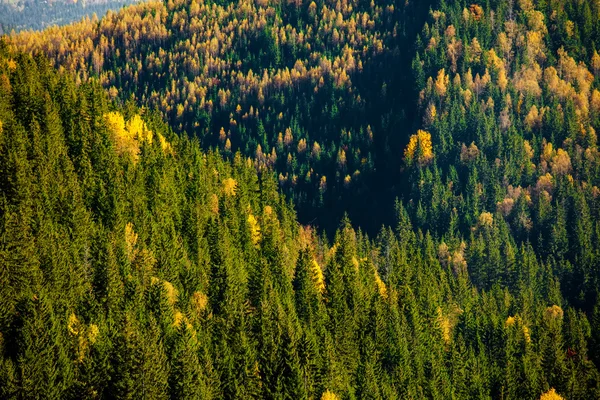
<point>171,292</point>
<point>380,286</point>
<point>486,219</point>
<point>551,395</point>
<point>441,83</point>
<point>128,136</point>
<point>130,241</point>
<point>199,301</point>
<point>419,148</point>
<point>595,102</point>
<point>229,187</point>
<point>136,128</point>
<point>430,114</point>
<point>554,312</point>
<point>561,163</point>
<point>317,276</point>
<point>125,142</point>
<point>533,118</point>
<point>445,326</point>
<point>329,395</point>
<point>254,229</point>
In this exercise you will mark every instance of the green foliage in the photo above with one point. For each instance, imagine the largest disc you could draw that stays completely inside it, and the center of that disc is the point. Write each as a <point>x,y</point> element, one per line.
<point>183,272</point>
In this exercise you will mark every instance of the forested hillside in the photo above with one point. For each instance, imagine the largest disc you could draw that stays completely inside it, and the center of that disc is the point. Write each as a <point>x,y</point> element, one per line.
<point>310,90</point>
<point>510,106</point>
<point>39,14</point>
<point>149,242</point>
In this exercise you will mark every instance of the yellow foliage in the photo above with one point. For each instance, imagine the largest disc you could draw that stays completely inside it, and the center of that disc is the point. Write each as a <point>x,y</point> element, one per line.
<point>469,153</point>
<point>551,395</point>
<point>333,249</point>
<point>445,326</point>
<point>347,180</point>
<point>528,149</point>
<point>165,145</point>
<point>535,20</point>
<point>526,334</point>
<point>93,332</point>
<point>171,292</point>
<point>125,142</point>
<point>512,321</point>
<point>229,186</point>
<point>561,163</point>
<point>178,319</point>
<point>454,51</point>
<point>533,118</point>
<point>476,11</point>
<point>567,65</point>
<point>527,80</point>
<point>137,129</point>
<point>113,92</point>
<point>535,46</point>
<point>554,312</point>
<point>430,114</point>
<point>494,60</point>
<point>115,122</point>
<point>323,183</point>
<point>475,50</point>
<point>545,183</point>
<point>502,79</point>
<point>317,276</point>
<point>129,136</point>
<point>468,96</point>
<point>547,152</point>
<point>302,146</point>
<point>595,103</point>
<point>505,206</point>
<point>420,146</point>
<point>341,158</point>
<point>130,241</point>
<point>381,286</point>
<point>254,229</point>
<point>199,301</point>
<point>486,219</point>
<point>526,5</point>
<point>213,204</point>
<point>328,395</point>
<point>73,325</point>
<point>504,44</point>
<point>355,263</point>
<point>441,83</point>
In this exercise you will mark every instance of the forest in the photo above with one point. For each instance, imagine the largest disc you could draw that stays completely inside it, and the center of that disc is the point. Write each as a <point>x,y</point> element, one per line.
<point>303,200</point>
<point>39,14</point>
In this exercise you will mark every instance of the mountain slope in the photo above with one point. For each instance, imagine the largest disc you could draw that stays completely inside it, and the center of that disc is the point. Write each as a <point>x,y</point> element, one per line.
<point>40,14</point>
<point>309,89</point>
<point>192,267</point>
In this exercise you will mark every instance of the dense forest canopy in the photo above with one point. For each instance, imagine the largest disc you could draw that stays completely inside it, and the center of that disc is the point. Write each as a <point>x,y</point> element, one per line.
<point>174,179</point>
<point>309,90</point>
